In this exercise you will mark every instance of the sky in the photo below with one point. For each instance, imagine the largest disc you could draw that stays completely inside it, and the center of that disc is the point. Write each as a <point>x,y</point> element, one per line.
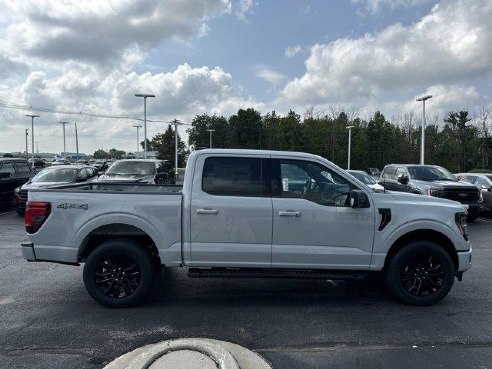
<point>217,56</point>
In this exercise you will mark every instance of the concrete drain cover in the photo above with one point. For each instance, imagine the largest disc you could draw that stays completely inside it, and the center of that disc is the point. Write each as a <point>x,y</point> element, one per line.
<point>190,353</point>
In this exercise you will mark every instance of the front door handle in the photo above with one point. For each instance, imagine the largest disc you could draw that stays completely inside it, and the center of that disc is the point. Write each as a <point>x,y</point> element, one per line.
<point>207,211</point>
<point>289,213</point>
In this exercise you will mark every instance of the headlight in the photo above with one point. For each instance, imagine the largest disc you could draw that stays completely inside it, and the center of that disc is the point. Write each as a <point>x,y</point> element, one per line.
<point>480,196</point>
<point>460,219</point>
<point>17,190</point>
<point>433,192</point>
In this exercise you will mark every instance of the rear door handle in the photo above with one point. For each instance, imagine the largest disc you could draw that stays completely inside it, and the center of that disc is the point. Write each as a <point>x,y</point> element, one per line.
<point>207,211</point>
<point>289,213</point>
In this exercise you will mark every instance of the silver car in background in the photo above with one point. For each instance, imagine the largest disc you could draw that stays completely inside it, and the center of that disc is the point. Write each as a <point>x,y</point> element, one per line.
<point>482,181</point>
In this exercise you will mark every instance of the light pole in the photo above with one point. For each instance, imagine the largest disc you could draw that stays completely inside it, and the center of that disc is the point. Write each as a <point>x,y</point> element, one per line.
<point>32,134</point>
<point>422,143</point>
<point>27,152</point>
<point>349,145</point>
<point>145,120</point>
<point>64,143</point>
<point>138,139</point>
<point>211,130</point>
<point>176,124</point>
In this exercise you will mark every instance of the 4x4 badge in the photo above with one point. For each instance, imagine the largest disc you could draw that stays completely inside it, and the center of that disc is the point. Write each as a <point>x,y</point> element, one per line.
<point>73,206</point>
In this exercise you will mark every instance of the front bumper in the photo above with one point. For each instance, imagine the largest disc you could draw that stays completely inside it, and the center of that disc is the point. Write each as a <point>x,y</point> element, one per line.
<point>464,260</point>
<point>28,251</point>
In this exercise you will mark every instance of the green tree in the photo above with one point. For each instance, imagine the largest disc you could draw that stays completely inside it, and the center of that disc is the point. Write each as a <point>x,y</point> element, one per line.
<point>164,144</point>
<point>464,135</point>
<point>150,147</point>
<point>116,154</point>
<point>199,136</point>
<point>246,128</point>
<point>101,154</point>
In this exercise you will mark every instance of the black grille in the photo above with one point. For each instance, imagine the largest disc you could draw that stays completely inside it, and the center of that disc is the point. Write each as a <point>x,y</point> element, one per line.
<point>461,195</point>
<point>23,195</point>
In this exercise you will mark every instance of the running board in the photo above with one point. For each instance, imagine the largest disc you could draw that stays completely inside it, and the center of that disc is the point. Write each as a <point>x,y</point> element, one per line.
<point>273,273</point>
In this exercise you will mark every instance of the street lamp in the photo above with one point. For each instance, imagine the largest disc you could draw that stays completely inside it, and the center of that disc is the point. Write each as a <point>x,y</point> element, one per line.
<point>64,143</point>
<point>32,135</point>
<point>422,143</point>
<point>176,124</point>
<point>211,130</point>
<point>138,139</point>
<point>27,152</point>
<point>349,145</point>
<point>145,120</point>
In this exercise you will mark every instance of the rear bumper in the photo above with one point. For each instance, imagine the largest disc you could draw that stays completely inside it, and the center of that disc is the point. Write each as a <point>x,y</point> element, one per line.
<point>28,251</point>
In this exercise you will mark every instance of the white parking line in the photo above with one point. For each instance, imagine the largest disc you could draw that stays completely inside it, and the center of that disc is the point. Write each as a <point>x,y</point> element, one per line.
<point>484,220</point>
<point>7,212</point>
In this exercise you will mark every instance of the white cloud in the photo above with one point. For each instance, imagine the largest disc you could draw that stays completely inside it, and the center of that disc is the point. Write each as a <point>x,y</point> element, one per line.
<point>100,31</point>
<point>269,75</point>
<point>450,45</point>
<point>292,51</point>
<point>374,6</point>
<point>244,7</point>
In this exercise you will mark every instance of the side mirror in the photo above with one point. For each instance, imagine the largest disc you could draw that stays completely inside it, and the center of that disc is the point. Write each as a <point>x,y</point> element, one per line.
<point>403,179</point>
<point>161,177</point>
<point>359,199</point>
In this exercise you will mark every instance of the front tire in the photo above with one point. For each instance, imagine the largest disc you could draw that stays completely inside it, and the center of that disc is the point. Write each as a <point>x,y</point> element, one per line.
<point>118,273</point>
<point>420,274</point>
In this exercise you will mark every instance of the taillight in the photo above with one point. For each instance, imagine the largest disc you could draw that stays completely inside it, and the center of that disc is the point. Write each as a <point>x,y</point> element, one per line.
<point>36,214</point>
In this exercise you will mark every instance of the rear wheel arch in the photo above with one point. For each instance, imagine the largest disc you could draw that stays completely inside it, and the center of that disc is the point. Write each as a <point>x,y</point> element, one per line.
<point>113,231</point>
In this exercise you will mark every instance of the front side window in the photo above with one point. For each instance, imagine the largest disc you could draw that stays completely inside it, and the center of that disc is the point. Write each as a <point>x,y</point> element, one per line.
<point>55,175</point>
<point>400,172</point>
<point>388,172</point>
<point>227,176</point>
<point>313,182</point>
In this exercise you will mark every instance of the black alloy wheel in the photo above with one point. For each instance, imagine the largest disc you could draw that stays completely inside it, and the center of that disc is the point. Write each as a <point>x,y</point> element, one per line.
<point>118,273</point>
<point>421,273</point>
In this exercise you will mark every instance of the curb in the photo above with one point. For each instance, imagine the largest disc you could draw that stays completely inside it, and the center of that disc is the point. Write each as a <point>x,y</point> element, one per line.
<point>190,353</point>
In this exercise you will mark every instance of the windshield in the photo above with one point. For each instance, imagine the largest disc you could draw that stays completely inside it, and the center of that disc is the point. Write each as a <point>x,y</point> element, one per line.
<point>364,178</point>
<point>55,175</point>
<point>489,177</point>
<point>143,168</point>
<point>430,173</point>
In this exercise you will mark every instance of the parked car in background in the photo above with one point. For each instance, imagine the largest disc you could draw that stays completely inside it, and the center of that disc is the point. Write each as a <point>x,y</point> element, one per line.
<point>61,161</point>
<point>140,170</point>
<point>14,172</point>
<point>366,179</point>
<point>38,163</point>
<point>100,164</point>
<point>434,181</point>
<point>484,182</point>
<point>374,172</point>
<point>61,174</point>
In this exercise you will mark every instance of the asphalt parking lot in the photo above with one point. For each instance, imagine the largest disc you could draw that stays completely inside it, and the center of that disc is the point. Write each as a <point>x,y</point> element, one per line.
<point>47,320</point>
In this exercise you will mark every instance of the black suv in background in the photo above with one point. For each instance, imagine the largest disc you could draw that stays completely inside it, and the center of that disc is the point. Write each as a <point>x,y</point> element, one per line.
<point>14,172</point>
<point>431,180</point>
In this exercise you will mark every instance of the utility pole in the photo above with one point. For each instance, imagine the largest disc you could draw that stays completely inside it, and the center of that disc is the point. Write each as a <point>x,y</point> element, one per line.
<point>176,123</point>
<point>422,143</point>
<point>211,130</point>
<point>32,135</point>
<point>138,139</point>
<point>64,143</point>
<point>77,141</point>
<point>145,120</point>
<point>27,151</point>
<point>349,145</point>
<point>37,148</point>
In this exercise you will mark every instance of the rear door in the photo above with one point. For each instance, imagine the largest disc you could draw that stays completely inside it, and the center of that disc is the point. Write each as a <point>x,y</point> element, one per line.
<point>231,212</point>
<point>313,224</point>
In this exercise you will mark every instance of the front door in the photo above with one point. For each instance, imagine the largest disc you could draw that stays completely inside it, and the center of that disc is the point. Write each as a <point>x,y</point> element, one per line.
<point>231,212</point>
<point>313,224</point>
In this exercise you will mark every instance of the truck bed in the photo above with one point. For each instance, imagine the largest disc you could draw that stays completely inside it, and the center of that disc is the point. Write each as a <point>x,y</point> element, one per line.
<point>116,187</point>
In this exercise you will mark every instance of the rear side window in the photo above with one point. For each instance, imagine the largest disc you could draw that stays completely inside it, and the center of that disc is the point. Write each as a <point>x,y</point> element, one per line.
<point>22,168</point>
<point>7,168</point>
<point>233,177</point>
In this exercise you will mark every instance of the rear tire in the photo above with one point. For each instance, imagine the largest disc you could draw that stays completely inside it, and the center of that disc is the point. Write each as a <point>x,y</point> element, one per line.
<point>118,273</point>
<point>420,274</point>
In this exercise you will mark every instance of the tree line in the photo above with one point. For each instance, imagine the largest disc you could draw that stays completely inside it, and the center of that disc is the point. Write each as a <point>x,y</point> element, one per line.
<point>458,141</point>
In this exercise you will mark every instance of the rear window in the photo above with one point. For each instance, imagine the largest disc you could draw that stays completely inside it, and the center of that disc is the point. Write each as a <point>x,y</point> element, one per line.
<point>233,177</point>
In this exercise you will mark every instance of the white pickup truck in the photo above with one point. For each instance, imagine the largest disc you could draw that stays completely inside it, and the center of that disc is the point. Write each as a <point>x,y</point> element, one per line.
<point>244,213</point>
